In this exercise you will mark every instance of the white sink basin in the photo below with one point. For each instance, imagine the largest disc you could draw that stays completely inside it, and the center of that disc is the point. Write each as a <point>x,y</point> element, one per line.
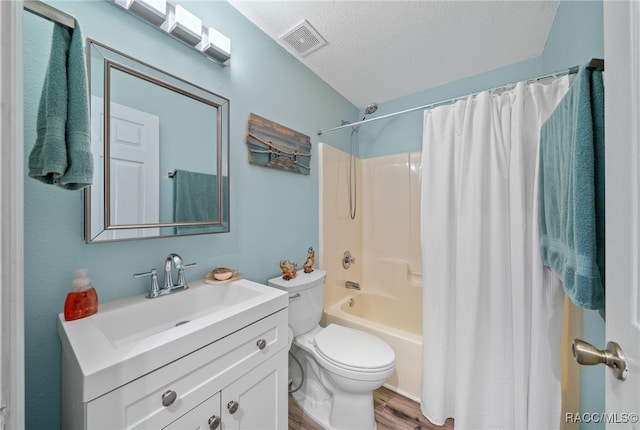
<point>123,325</point>
<point>131,337</point>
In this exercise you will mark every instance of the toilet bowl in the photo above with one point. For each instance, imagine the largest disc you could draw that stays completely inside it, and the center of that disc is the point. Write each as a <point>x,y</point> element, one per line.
<point>341,366</point>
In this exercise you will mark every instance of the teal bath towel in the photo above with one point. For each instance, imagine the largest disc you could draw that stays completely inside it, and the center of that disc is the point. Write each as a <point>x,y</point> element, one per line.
<point>195,198</point>
<point>62,152</point>
<point>571,190</point>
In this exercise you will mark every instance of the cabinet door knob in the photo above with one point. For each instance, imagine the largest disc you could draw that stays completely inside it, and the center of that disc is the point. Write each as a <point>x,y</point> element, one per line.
<point>169,397</point>
<point>232,406</point>
<point>214,422</point>
<point>261,343</point>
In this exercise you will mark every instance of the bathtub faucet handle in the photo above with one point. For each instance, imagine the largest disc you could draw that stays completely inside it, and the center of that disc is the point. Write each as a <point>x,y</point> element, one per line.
<point>347,259</point>
<point>352,285</point>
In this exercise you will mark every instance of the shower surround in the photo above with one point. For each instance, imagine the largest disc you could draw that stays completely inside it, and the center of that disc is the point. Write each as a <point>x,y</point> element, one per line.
<point>384,238</point>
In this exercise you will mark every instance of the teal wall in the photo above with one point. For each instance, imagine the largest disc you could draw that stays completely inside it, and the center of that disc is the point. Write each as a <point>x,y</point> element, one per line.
<point>592,388</point>
<point>274,214</point>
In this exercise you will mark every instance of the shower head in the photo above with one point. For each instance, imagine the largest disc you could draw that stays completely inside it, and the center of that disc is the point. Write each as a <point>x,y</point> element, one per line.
<point>367,111</point>
<point>371,109</point>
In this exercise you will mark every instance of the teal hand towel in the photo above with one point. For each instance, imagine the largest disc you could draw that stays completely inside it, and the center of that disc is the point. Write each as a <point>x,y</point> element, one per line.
<point>571,190</point>
<point>195,199</point>
<point>62,151</point>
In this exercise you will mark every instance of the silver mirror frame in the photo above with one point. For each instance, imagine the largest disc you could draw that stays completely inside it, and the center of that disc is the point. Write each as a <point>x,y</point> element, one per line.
<point>115,60</point>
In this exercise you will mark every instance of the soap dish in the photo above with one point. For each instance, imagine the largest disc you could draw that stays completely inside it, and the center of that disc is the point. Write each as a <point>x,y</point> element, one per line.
<point>221,274</point>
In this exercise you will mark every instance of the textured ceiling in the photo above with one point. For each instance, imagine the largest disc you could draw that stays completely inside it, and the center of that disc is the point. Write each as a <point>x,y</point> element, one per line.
<point>381,50</point>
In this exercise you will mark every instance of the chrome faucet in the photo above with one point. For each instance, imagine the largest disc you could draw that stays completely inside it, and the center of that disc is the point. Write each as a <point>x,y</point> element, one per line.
<point>352,285</point>
<point>173,260</point>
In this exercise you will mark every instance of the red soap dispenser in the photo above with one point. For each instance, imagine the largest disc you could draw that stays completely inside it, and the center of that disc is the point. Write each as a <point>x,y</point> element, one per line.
<point>82,301</point>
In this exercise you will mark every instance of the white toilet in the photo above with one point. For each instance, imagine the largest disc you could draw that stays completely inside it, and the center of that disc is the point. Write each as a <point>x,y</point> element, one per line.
<point>340,366</point>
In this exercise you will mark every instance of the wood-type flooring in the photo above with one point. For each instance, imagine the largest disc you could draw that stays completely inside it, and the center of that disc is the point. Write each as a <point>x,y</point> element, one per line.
<point>393,412</point>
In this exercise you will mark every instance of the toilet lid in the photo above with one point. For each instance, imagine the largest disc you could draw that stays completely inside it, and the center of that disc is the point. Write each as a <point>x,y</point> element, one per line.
<point>353,348</point>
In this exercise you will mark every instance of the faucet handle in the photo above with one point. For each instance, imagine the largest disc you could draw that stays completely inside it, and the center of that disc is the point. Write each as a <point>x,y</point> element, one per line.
<point>347,259</point>
<point>154,290</point>
<point>181,281</point>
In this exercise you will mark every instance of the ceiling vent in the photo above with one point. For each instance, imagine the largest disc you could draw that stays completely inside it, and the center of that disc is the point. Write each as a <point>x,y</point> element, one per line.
<point>303,38</point>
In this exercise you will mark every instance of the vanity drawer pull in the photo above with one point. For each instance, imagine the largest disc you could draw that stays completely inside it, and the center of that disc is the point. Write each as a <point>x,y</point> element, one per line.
<point>261,343</point>
<point>232,406</point>
<point>214,422</point>
<point>169,397</point>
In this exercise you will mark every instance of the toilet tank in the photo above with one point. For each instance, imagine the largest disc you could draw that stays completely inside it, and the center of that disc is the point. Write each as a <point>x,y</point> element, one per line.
<point>306,292</point>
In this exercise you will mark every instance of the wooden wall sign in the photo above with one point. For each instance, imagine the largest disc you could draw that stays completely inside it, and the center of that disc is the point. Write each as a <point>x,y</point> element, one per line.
<point>274,145</point>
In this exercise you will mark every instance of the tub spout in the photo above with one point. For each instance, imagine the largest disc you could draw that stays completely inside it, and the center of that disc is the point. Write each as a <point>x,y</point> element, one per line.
<point>352,285</point>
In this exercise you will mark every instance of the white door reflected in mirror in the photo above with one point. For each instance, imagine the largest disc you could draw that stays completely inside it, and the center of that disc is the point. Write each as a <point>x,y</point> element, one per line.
<point>134,170</point>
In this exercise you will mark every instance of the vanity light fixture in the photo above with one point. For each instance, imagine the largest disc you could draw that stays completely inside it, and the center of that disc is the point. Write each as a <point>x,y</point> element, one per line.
<point>216,45</point>
<point>182,25</point>
<point>153,11</point>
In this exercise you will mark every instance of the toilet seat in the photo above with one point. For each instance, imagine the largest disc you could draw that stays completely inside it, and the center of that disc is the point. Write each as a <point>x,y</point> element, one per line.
<point>353,350</point>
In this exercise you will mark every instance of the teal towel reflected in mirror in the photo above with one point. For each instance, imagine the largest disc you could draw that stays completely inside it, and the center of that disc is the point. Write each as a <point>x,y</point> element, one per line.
<point>571,190</point>
<point>62,151</point>
<point>195,199</point>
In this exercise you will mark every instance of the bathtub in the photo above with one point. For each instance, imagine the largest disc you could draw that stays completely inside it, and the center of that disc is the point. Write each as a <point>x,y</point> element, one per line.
<point>398,324</point>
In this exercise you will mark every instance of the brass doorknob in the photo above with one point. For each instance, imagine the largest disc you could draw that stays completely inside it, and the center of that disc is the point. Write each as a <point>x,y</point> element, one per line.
<point>612,356</point>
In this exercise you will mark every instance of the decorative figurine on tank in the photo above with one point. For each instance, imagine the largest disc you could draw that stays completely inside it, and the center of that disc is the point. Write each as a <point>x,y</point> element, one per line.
<point>311,259</point>
<point>288,269</point>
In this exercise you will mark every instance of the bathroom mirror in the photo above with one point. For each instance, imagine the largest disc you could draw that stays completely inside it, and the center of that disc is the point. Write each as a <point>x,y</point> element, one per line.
<point>160,149</point>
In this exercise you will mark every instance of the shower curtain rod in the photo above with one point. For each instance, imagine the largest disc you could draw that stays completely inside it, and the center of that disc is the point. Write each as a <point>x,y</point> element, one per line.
<point>594,64</point>
<point>48,12</point>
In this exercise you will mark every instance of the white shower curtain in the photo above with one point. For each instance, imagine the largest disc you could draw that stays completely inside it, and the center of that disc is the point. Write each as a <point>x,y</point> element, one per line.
<point>492,313</point>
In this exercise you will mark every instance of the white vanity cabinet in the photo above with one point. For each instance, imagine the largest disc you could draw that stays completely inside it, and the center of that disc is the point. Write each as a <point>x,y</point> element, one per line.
<point>254,401</point>
<point>238,381</point>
